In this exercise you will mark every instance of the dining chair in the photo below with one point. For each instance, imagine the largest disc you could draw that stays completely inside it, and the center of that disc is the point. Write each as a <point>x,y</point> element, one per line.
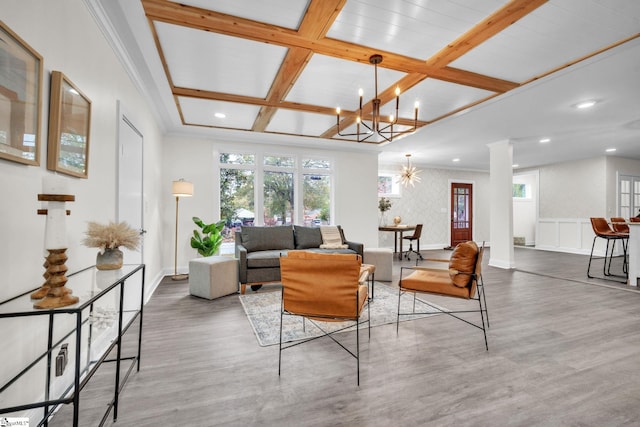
<point>416,236</point>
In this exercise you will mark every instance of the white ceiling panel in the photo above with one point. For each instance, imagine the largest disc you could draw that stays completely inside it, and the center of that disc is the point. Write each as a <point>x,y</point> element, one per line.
<point>202,112</point>
<point>437,98</point>
<point>413,28</point>
<point>551,37</point>
<point>283,13</point>
<point>332,82</point>
<point>300,123</point>
<point>208,61</point>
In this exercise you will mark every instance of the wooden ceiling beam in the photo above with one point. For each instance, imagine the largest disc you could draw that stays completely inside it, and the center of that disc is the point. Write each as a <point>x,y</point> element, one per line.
<point>206,20</point>
<point>317,20</point>
<point>484,30</point>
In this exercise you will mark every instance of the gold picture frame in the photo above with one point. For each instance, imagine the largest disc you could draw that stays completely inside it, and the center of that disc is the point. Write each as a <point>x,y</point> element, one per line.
<point>69,126</point>
<point>20,99</point>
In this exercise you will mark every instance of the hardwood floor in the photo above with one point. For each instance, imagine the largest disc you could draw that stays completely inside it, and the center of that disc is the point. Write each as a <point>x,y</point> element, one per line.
<point>563,351</point>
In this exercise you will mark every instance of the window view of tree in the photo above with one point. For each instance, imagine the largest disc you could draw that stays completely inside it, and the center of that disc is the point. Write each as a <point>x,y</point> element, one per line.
<point>236,195</point>
<point>280,177</point>
<point>278,198</point>
<point>316,199</point>
<point>520,191</point>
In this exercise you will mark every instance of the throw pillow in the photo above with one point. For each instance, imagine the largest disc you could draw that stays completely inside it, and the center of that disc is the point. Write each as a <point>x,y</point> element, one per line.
<point>463,260</point>
<point>331,238</point>
<point>307,237</point>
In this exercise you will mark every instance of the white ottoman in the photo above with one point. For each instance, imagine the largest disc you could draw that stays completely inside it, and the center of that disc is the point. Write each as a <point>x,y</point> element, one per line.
<point>382,258</point>
<point>213,277</point>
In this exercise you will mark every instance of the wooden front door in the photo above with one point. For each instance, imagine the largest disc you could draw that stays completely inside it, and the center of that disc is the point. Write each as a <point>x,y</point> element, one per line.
<point>461,213</point>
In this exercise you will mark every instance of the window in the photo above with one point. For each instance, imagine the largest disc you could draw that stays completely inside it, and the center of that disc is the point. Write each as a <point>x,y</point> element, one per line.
<point>237,204</point>
<point>388,185</point>
<point>273,190</point>
<point>520,191</point>
<point>628,196</point>
<point>278,198</point>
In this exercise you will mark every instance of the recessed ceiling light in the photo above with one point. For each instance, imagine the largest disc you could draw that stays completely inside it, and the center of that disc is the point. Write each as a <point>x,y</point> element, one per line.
<point>515,166</point>
<point>545,140</point>
<point>585,104</point>
<point>455,160</point>
<point>220,115</point>
<point>610,150</point>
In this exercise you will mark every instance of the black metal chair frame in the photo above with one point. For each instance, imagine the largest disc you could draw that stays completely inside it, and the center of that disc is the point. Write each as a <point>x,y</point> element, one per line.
<point>356,323</point>
<point>480,297</point>
<point>410,250</point>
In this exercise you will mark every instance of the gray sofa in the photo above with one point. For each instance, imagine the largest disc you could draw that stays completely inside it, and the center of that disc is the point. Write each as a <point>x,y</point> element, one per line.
<point>258,250</point>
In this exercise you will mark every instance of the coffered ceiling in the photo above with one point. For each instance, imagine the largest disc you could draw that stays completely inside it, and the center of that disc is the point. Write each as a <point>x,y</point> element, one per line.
<point>481,71</point>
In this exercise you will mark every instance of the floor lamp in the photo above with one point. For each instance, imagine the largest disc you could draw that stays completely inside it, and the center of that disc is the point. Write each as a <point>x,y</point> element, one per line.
<point>180,188</point>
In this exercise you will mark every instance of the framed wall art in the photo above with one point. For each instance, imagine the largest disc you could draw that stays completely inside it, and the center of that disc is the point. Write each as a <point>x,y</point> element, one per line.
<point>20,99</point>
<point>388,185</point>
<point>69,124</point>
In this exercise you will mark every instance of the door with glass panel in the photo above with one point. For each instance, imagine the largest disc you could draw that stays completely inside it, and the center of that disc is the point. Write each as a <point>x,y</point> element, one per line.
<point>461,213</point>
<point>629,196</point>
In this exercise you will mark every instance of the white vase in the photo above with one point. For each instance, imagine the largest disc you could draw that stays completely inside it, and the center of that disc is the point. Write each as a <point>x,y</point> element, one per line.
<point>383,218</point>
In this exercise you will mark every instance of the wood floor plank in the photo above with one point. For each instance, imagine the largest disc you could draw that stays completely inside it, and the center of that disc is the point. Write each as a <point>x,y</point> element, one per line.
<point>564,350</point>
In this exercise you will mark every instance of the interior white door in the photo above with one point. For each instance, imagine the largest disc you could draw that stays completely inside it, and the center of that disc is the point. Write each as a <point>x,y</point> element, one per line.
<point>130,185</point>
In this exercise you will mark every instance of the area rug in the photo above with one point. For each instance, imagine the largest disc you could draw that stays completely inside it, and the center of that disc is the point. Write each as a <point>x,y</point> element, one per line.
<point>263,312</point>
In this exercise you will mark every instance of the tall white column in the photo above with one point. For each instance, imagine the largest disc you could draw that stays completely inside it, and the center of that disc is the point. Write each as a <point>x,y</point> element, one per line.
<point>501,204</point>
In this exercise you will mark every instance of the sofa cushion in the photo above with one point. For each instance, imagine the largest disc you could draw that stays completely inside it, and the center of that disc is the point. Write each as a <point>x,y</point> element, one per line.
<point>267,238</point>
<point>307,237</point>
<point>265,259</point>
<point>463,260</point>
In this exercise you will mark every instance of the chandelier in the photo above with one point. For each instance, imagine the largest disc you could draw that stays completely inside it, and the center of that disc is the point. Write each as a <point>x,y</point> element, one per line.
<point>409,174</point>
<point>378,125</point>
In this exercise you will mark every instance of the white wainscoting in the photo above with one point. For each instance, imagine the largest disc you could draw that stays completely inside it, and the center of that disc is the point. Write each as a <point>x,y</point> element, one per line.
<point>572,235</point>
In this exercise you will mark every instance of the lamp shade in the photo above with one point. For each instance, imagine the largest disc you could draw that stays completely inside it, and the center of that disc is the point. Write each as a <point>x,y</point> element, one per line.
<point>182,188</point>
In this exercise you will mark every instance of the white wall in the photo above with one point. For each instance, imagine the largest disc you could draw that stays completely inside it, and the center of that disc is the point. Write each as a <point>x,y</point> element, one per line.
<point>66,36</point>
<point>194,159</point>
<point>573,192</point>
<point>429,203</point>
<point>573,189</point>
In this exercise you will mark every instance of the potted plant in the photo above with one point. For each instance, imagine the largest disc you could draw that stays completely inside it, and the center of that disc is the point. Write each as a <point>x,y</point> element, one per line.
<point>384,204</point>
<point>108,239</point>
<point>208,243</point>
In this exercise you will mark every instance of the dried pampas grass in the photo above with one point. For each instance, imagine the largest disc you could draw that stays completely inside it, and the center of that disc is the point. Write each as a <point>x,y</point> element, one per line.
<point>111,236</point>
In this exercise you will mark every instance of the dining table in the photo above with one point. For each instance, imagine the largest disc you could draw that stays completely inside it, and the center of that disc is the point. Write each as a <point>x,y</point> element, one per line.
<point>398,231</point>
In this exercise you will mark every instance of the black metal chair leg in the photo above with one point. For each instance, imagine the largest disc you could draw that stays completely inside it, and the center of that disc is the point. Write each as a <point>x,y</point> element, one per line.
<point>590,257</point>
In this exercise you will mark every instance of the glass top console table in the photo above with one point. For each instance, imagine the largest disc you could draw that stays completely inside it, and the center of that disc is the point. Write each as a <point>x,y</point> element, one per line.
<point>62,348</point>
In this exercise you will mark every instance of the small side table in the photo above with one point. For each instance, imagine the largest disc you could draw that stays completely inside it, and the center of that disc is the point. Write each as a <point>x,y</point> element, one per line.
<point>213,277</point>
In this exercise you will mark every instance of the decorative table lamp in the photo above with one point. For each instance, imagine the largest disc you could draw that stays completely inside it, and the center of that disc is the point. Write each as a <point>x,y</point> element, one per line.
<point>180,188</point>
<point>53,292</point>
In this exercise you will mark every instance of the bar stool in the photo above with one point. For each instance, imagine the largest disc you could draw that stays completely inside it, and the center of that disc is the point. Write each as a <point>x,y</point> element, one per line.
<point>602,230</point>
<point>620,226</point>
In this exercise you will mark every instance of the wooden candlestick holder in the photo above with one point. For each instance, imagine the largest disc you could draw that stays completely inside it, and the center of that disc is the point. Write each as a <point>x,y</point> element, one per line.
<point>58,295</point>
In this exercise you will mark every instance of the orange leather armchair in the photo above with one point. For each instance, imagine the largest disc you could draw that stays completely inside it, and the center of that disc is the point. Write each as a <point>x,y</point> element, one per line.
<point>324,288</point>
<point>463,279</point>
